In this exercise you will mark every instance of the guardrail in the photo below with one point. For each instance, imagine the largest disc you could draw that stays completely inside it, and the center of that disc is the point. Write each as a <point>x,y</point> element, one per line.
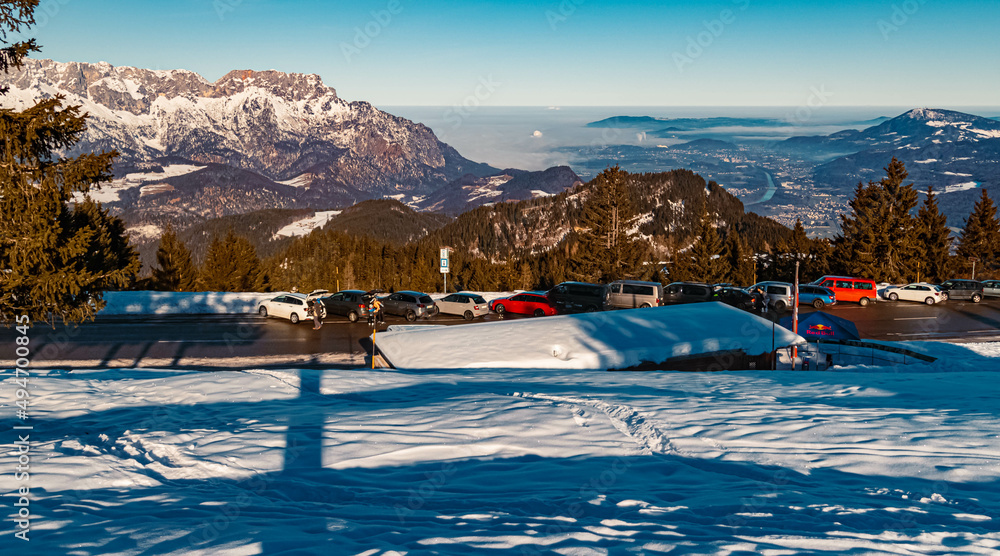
<point>877,353</point>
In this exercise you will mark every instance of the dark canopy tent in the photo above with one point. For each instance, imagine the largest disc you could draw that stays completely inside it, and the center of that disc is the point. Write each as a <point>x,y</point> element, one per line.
<point>823,326</point>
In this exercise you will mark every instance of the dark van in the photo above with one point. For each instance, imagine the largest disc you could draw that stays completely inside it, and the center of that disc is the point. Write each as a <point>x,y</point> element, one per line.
<point>577,297</point>
<point>687,292</point>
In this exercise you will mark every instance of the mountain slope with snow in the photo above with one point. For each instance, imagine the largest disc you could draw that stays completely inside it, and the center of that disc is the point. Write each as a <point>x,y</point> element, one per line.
<point>281,127</point>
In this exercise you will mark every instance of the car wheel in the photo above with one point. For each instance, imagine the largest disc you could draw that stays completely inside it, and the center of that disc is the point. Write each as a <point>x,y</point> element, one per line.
<point>976,298</point>
<point>944,296</point>
<point>779,307</point>
<point>294,317</point>
<point>352,316</point>
<point>539,313</point>
<point>411,316</point>
<point>863,302</point>
<point>893,296</point>
<point>262,312</point>
<point>818,303</point>
<point>468,315</point>
<point>645,306</point>
<point>929,301</point>
<point>499,308</point>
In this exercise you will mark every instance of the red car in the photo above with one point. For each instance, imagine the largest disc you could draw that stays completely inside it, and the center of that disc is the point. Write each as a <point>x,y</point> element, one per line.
<point>527,303</point>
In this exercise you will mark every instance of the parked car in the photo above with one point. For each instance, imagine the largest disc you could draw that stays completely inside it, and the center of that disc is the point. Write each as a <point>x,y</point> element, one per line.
<point>409,304</point>
<point>817,296</point>
<point>527,303</point>
<point>578,297</point>
<point>466,305</point>
<point>291,306</point>
<point>630,294</point>
<point>845,288</point>
<point>963,289</point>
<point>921,292</point>
<point>687,292</point>
<point>735,297</point>
<point>349,303</point>
<point>991,288</point>
<point>779,294</point>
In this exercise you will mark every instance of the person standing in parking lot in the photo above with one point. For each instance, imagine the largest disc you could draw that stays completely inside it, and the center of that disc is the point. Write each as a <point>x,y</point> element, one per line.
<point>760,300</point>
<point>315,309</point>
<point>376,311</point>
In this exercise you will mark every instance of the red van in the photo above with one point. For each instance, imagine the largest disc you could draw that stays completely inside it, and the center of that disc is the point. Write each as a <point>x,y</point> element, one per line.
<point>860,290</point>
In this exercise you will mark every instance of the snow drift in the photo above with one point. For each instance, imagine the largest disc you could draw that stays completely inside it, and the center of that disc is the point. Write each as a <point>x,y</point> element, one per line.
<point>181,303</point>
<point>609,340</point>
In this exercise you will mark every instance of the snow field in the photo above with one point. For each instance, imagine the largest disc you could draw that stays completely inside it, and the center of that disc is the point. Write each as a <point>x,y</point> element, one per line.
<point>355,461</point>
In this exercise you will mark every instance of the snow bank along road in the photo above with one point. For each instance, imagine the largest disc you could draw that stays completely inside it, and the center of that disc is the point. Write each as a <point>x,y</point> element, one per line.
<point>193,339</point>
<point>354,461</point>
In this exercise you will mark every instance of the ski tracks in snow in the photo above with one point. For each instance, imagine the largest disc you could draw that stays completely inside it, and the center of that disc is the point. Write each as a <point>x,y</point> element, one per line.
<point>625,418</point>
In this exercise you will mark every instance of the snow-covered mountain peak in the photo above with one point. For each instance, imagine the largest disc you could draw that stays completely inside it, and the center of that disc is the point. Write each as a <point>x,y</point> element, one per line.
<point>290,86</point>
<point>254,130</point>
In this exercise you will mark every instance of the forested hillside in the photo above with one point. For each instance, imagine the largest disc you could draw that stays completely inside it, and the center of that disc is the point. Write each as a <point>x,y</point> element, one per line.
<point>667,206</point>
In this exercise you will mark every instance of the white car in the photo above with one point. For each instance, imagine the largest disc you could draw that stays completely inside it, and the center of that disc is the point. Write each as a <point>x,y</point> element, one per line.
<point>291,306</point>
<point>920,292</point>
<point>467,305</point>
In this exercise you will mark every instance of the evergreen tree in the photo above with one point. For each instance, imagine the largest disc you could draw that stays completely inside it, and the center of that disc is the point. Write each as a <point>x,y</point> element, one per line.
<point>232,266</point>
<point>57,257</point>
<point>811,254</point>
<point>15,15</point>
<point>706,261</point>
<point>347,276</point>
<point>606,251</point>
<point>878,238</point>
<point>738,259</point>
<point>526,279</point>
<point>175,269</point>
<point>981,238</point>
<point>935,241</point>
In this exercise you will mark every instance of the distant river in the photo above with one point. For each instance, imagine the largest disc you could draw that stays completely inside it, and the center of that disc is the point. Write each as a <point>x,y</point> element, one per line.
<point>771,190</point>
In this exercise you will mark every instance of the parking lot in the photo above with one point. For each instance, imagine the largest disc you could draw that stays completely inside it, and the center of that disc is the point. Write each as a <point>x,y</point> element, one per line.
<point>185,337</point>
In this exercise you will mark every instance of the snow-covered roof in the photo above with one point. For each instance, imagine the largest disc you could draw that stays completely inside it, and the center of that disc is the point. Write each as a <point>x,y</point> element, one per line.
<point>607,340</point>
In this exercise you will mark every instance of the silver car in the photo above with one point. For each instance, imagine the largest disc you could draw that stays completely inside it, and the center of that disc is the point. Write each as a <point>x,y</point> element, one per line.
<point>779,294</point>
<point>991,288</point>
<point>467,305</point>
<point>412,305</point>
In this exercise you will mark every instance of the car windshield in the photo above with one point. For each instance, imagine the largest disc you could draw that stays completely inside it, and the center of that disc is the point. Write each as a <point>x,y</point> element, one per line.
<point>478,299</point>
<point>426,299</point>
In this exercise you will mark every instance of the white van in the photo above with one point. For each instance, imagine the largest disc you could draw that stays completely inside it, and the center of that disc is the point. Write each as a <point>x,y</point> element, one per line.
<point>630,294</point>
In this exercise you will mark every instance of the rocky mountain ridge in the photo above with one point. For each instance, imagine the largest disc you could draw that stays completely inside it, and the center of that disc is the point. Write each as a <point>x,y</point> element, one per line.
<point>252,140</point>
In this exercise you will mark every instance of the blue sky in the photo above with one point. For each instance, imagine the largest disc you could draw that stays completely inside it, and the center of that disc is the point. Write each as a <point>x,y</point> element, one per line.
<point>562,52</point>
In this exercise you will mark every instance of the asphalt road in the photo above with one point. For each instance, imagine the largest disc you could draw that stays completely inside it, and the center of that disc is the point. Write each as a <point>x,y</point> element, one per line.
<point>187,337</point>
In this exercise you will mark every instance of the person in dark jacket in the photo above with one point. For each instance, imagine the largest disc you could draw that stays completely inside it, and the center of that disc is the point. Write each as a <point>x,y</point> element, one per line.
<point>315,310</point>
<point>759,300</point>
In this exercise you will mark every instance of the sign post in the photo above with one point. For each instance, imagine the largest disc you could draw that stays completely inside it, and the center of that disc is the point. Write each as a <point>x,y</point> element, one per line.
<point>795,314</point>
<point>445,268</point>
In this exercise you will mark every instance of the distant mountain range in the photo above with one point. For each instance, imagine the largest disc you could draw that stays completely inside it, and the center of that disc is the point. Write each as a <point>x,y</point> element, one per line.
<point>955,152</point>
<point>191,149</point>
<point>942,141</point>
